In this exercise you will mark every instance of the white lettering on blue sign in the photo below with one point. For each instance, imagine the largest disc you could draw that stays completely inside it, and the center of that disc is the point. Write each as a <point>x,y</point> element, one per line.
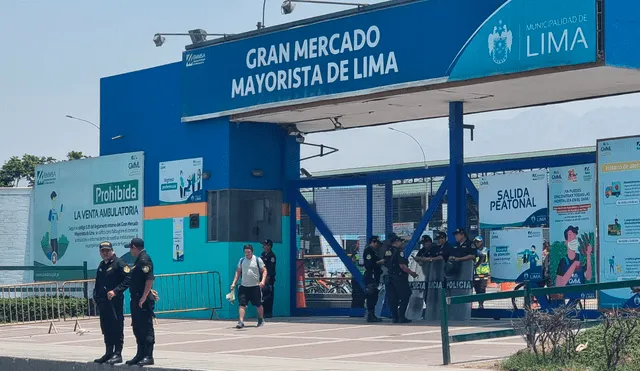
<point>317,47</point>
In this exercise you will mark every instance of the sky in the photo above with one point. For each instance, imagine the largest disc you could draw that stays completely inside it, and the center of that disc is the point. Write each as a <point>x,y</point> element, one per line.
<point>55,52</point>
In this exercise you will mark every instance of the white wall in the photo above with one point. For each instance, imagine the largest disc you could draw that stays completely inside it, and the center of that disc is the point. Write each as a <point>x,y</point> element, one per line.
<point>16,207</point>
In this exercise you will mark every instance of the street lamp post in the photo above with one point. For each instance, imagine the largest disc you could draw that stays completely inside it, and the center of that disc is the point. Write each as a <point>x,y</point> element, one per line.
<point>90,123</point>
<point>79,119</point>
<point>424,157</point>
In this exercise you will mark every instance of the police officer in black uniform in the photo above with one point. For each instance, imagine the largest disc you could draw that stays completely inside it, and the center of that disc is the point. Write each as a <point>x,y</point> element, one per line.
<point>112,280</point>
<point>142,304</point>
<point>398,289</point>
<point>269,259</point>
<point>372,273</point>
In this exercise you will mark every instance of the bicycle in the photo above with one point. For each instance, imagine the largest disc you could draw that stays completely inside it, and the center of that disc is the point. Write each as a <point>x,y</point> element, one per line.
<point>577,303</point>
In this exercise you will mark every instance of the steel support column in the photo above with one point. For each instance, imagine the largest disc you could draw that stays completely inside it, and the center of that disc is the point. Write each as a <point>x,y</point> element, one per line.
<point>435,203</point>
<point>326,233</point>
<point>388,208</point>
<point>456,192</point>
<point>369,211</point>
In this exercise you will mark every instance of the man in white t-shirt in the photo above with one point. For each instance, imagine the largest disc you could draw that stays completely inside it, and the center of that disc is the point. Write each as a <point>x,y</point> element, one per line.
<point>254,277</point>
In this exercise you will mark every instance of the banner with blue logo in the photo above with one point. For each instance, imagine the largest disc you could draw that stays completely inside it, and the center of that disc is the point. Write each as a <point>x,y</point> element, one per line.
<point>572,225</point>
<point>410,44</point>
<point>618,222</point>
<point>513,200</point>
<point>515,255</point>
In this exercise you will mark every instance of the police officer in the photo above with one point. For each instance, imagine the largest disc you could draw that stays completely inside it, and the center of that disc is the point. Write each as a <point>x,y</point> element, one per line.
<point>269,259</point>
<point>482,271</point>
<point>372,273</point>
<point>142,304</point>
<point>112,280</point>
<point>398,289</point>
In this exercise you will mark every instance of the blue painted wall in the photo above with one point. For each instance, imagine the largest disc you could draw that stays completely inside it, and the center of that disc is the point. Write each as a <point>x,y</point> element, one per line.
<point>144,108</point>
<point>622,32</point>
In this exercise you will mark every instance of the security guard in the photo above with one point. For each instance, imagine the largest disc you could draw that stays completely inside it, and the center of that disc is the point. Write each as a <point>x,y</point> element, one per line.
<point>112,280</point>
<point>398,289</point>
<point>142,304</point>
<point>482,270</point>
<point>372,273</point>
<point>269,259</point>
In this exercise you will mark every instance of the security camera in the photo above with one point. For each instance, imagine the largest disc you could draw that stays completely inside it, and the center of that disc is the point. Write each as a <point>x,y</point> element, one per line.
<point>300,138</point>
<point>158,39</point>
<point>287,7</point>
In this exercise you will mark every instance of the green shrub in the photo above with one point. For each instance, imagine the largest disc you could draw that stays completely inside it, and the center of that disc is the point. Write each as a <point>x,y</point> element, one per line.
<point>42,308</point>
<point>593,358</point>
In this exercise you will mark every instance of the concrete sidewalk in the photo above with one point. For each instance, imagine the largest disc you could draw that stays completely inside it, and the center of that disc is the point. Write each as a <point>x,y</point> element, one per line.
<point>282,344</point>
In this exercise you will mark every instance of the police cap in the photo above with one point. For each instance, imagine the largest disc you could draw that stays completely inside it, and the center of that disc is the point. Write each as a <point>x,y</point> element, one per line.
<point>440,235</point>
<point>426,238</point>
<point>374,239</point>
<point>267,242</point>
<point>106,245</point>
<point>137,242</point>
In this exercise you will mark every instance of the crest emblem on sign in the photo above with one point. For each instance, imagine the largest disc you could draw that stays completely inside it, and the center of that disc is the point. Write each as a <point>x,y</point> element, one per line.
<point>500,42</point>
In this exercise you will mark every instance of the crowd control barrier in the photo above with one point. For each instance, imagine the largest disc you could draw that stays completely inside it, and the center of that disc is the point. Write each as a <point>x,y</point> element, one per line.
<point>177,292</point>
<point>527,294</point>
<point>29,303</point>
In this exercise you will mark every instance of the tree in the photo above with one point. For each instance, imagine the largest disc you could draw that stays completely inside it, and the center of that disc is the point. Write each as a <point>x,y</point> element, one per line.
<point>29,162</point>
<point>12,171</point>
<point>17,169</point>
<point>76,155</point>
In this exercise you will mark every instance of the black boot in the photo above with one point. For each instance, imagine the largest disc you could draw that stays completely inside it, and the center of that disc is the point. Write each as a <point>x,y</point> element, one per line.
<point>139,355</point>
<point>117,356</point>
<point>371,317</point>
<point>107,355</point>
<point>148,358</point>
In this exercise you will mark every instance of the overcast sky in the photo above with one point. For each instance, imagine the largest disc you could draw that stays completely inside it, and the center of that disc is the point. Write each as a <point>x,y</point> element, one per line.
<point>55,52</point>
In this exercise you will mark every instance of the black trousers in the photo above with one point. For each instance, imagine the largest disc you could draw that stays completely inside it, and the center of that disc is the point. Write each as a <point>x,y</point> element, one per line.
<point>371,291</point>
<point>267,300</point>
<point>142,323</point>
<point>398,293</point>
<point>112,321</point>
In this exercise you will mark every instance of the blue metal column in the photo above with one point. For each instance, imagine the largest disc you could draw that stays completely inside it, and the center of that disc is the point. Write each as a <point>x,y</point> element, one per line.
<point>456,192</point>
<point>293,243</point>
<point>369,211</point>
<point>388,208</point>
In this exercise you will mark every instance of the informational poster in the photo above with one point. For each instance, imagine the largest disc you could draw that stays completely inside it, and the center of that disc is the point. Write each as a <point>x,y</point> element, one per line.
<point>516,255</point>
<point>332,263</point>
<point>513,200</point>
<point>572,225</point>
<point>178,239</point>
<point>181,181</point>
<point>81,203</point>
<point>619,218</point>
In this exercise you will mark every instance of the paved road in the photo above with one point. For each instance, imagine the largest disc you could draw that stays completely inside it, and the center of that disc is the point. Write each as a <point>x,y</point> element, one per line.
<point>282,344</point>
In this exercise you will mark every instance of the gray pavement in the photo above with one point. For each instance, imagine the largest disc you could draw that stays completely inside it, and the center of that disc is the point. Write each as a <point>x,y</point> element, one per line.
<point>282,344</point>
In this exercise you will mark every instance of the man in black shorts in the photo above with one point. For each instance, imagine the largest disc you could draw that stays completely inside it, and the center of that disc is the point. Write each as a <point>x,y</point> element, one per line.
<point>254,277</point>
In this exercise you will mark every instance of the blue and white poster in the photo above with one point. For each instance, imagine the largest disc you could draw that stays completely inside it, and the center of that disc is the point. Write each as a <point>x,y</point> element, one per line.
<point>515,255</point>
<point>181,181</point>
<point>618,218</point>
<point>513,200</point>
<point>572,225</point>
